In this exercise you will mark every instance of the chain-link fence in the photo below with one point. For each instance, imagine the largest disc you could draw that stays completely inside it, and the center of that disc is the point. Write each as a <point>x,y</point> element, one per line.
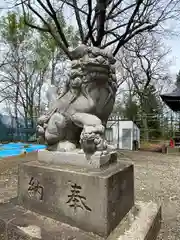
<point>13,131</point>
<point>155,131</point>
<point>167,128</point>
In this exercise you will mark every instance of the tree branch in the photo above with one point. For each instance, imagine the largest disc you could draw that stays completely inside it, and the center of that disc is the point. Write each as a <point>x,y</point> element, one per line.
<point>78,19</point>
<point>101,16</point>
<point>145,28</point>
<point>110,16</point>
<point>50,30</point>
<point>52,14</point>
<point>131,20</point>
<point>146,70</point>
<point>113,8</point>
<point>115,28</point>
<point>73,6</point>
<point>90,27</point>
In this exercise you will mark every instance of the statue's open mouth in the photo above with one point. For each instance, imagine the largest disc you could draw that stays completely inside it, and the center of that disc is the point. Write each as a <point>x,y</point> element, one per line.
<point>95,66</point>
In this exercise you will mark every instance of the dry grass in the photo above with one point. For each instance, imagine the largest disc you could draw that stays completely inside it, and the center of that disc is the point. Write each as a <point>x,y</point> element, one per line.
<point>157,146</point>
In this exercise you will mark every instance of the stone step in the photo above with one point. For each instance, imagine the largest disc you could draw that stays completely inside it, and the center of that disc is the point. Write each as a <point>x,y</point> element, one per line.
<point>17,223</point>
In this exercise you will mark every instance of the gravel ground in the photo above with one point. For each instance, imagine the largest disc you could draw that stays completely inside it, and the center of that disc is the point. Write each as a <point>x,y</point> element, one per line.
<point>9,175</point>
<point>157,178</point>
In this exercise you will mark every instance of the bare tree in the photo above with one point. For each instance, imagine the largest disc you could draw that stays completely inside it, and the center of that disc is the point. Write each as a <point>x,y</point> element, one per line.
<point>102,23</point>
<point>28,63</point>
<point>21,82</point>
<point>145,65</point>
<point>20,85</point>
<point>145,62</point>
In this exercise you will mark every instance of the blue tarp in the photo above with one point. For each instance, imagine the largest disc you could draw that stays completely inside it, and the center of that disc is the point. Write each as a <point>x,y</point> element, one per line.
<point>15,149</point>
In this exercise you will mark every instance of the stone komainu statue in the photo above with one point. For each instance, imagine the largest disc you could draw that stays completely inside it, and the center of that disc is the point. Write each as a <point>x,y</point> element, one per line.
<point>80,113</point>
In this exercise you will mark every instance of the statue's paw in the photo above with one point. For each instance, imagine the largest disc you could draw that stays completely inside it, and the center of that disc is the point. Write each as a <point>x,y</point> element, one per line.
<point>105,152</point>
<point>100,153</point>
<point>100,128</point>
<point>111,148</point>
<point>40,130</point>
<point>94,129</point>
<point>81,151</point>
<point>66,146</point>
<point>43,119</point>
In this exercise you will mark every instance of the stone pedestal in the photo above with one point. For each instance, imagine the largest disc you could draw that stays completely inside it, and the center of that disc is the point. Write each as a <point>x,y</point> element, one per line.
<point>16,223</point>
<point>69,202</point>
<point>95,200</point>
<point>76,159</point>
<point>84,201</point>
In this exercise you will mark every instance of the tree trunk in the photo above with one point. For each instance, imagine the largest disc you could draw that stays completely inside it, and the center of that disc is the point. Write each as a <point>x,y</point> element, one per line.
<point>144,119</point>
<point>145,126</point>
<point>17,95</point>
<point>53,70</point>
<point>16,111</point>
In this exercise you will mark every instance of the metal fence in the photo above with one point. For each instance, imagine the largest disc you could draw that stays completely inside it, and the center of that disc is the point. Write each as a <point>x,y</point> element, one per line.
<point>10,131</point>
<point>20,133</point>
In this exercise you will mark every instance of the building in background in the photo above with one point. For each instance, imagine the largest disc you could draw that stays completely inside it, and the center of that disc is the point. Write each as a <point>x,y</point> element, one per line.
<point>123,134</point>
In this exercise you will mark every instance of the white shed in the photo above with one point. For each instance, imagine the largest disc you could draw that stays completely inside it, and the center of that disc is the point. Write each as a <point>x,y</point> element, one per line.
<point>123,134</point>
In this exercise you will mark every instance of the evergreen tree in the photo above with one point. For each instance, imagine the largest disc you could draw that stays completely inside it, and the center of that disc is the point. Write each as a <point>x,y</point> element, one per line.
<point>131,109</point>
<point>118,109</point>
<point>152,110</point>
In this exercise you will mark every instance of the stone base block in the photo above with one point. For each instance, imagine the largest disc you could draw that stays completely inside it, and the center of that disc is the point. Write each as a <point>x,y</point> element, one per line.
<point>16,223</point>
<point>141,223</point>
<point>93,200</point>
<point>75,158</point>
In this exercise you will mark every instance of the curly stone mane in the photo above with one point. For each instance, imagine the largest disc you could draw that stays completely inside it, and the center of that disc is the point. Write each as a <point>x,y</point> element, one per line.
<point>93,65</point>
